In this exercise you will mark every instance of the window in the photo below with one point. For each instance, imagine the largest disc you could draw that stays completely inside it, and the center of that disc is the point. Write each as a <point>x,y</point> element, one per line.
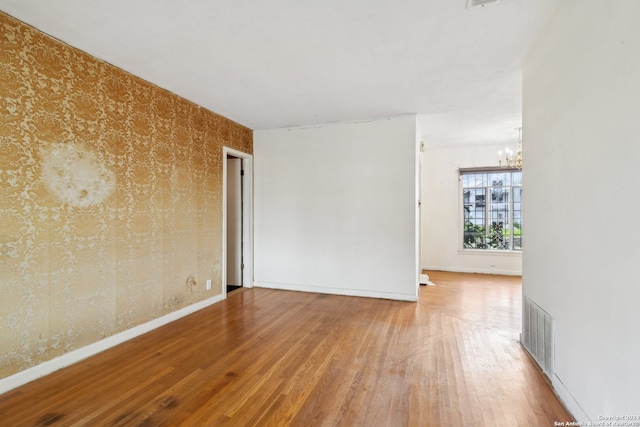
<point>492,209</point>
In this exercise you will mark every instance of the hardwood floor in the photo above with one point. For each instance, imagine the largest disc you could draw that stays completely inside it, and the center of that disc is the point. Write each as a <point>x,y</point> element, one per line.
<point>267,357</point>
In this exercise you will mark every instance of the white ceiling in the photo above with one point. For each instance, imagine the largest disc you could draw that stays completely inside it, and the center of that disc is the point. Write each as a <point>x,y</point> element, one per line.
<point>282,63</point>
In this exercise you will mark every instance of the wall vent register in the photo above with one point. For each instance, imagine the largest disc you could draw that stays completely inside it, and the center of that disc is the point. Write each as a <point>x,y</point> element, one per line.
<point>538,335</point>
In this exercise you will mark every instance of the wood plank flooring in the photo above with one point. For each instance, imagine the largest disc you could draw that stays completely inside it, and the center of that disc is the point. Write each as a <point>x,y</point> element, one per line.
<point>265,357</point>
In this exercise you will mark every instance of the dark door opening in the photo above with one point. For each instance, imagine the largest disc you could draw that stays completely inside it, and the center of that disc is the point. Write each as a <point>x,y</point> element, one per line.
<point>235,188</point>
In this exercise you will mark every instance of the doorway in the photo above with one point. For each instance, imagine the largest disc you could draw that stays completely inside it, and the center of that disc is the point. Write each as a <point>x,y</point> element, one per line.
<point>236,221</point>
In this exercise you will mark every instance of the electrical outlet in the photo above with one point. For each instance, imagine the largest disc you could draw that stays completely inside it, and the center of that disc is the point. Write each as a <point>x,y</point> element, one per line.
<point>208,284</point>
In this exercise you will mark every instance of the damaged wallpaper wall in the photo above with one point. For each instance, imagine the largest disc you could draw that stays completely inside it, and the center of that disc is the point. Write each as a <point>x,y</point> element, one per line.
<point>110,198</point>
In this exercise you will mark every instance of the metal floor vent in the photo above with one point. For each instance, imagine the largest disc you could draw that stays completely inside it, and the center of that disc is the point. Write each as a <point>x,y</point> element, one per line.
<point>538,335</point>
<point>471,4</point>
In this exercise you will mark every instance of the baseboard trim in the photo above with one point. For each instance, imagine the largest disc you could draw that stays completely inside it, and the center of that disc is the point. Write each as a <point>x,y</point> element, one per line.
<point>558,387</point>
<point>50,366</point>
<point>336,291</point>
<point>473,270</point>
<point>569,401</point>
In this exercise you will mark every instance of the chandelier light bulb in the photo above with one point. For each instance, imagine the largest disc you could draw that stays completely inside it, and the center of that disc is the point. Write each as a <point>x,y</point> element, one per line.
<point>512,159</point>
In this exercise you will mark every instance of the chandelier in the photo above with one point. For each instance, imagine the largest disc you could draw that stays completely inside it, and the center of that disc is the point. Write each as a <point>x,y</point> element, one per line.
<point>512,159</point>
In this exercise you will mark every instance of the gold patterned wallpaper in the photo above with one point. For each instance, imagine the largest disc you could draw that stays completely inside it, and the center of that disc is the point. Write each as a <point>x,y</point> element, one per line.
<point>110,198</point>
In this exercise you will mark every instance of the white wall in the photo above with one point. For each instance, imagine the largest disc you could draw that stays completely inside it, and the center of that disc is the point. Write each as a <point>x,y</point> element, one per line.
<point>442,213</point>
<point>581,153</point>
<point>335,208</point>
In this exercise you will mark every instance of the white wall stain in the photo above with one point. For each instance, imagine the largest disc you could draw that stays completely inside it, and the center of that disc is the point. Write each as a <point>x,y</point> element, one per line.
<point>75,174</point>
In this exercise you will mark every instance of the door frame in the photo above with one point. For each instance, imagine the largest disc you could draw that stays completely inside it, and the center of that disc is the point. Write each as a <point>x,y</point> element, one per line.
<point>247,218</point>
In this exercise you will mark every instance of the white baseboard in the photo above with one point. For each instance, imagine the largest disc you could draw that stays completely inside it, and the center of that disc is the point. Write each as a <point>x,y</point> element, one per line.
<point>569,402</point>
<point>336,291</point>
<point>564,395</point>
<point>473,270</point>
<point>77,355</point>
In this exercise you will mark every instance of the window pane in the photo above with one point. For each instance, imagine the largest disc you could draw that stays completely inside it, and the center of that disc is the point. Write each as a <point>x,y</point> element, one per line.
<point>480,180</point>
<point>517,195</point>
<point>499,226</point>
<point>516,178</point>
<point>517,218</point>
<point>474,217</point>
<point>474,180</point>
<point>499,179</point>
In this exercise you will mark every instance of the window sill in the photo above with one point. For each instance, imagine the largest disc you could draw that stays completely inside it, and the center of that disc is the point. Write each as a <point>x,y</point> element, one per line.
<point>489,252</point>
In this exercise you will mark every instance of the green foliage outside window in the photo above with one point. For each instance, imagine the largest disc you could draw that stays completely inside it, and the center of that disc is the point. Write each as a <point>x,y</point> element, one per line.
<point>476,237</point>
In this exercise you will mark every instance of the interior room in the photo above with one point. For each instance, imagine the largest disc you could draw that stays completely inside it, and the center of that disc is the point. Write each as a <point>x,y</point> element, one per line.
<point>257,171</point>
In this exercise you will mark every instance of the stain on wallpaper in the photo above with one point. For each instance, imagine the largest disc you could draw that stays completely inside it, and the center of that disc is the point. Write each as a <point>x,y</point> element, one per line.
<point>76,175</point>
<point>110,198</point>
